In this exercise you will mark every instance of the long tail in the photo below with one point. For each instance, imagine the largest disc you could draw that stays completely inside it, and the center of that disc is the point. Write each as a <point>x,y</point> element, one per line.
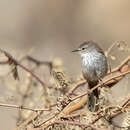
<point>93,97</point>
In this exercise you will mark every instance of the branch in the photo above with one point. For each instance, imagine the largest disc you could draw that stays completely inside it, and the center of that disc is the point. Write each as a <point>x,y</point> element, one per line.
<point>75,87</point>
<point>22,107</point>
<point>29,120</point>
<point>119,67</point>
<point>37,62</point>
<point>15,62</point>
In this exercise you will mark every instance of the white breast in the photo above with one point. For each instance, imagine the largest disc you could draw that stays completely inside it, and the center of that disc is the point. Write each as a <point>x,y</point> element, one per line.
<point>94,65</point>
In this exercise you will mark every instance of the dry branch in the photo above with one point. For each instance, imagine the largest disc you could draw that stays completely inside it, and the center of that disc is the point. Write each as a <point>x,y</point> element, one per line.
<point>17,63</point>
<point>23,107</point>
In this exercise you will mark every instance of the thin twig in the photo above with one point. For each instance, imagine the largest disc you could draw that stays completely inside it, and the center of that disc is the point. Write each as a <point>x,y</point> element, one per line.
<point>29,120</point>
<point>46,121</point>
<point>75,87</point>
<point>22,107</point>
<point>25,68</point>
<point>118,68</point>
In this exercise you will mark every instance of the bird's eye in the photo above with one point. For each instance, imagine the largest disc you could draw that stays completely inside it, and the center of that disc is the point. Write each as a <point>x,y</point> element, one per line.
<point>83,48</point>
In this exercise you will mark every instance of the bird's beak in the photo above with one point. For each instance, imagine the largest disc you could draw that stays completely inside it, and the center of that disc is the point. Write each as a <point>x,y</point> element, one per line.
<point>77,50</point>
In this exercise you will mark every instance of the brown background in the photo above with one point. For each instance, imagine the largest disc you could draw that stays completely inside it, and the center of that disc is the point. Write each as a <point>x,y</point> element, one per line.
<point>55,27</point>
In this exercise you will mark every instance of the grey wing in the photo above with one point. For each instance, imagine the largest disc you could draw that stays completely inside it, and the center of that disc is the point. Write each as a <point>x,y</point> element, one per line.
<point>101,67</point>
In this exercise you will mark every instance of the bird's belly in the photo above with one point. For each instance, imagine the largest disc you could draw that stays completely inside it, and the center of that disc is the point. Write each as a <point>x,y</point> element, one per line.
<point>89,73</point>
<point>94,67</point>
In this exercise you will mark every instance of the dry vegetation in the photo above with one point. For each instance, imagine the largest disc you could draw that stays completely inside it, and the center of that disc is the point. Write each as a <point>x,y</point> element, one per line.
<point>60,103</point>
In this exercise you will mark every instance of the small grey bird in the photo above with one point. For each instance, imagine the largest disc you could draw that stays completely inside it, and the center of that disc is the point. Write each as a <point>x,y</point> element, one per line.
<point>94,67</point>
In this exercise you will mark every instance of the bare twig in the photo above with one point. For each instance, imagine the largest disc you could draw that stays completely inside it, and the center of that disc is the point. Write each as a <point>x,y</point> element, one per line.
<point>29,120</point>
<point>23,67</point>
<point>119,67</point>
<point>22,107</point>
<point>52,117</point>
<point>38,62</point>
<point>75,87</point>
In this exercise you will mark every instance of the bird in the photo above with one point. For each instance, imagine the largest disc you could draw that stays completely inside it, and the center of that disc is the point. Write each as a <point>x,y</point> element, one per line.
<point>94,67</point>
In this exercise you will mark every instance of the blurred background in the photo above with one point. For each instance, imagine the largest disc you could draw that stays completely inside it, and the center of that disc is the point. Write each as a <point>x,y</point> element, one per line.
<point>54,28</point>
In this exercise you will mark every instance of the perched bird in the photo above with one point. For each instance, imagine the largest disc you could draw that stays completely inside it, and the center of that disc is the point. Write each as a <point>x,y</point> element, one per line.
<point>94,67</point>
